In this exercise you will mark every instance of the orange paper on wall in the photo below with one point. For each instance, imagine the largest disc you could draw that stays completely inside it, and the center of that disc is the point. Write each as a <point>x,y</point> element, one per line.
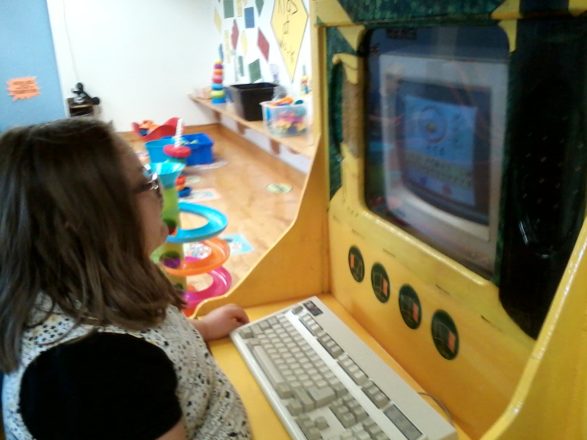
<point>23,88</point>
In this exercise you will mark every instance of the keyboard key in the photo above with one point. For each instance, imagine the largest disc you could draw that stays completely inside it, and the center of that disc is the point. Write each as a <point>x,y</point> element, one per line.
<point>284,390</point>
<point>353,370</point>
<point>347,419</point>
<point>370,426</point>
<point>308,427</point>
<point>320,383</point>
<point>313,308</point>
<point>348,399</point>
<point>374,394</point>
<point>321,423</point>
<point>304,421</point>
<point>338,408</point>
<point>311,324</point>
<point>360,414</point>
<point>304,398</point>
<point>313,434</point>
<point>246,333</point>
<point>402,422</point>
<point>339,389</point>
<point>295,407</point>
<point>330,346</point>
<point>322,396</point>
<point>253,342</point>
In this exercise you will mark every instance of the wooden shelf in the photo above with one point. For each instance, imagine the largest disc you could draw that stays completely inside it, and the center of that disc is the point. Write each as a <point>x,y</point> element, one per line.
<point>303,145</point>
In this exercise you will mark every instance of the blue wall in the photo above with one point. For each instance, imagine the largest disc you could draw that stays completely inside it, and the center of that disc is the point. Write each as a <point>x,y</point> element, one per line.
<point>26,49</point>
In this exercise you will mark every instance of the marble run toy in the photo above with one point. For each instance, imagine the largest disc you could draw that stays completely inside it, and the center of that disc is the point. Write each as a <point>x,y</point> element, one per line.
<point>170,255</point>
<point>180,153</point>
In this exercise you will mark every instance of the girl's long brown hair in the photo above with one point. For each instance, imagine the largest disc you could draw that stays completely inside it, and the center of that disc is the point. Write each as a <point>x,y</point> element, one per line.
<point>69,227</point>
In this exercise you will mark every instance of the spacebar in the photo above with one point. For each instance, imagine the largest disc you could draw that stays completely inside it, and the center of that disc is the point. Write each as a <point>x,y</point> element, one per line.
<point>262,358</point>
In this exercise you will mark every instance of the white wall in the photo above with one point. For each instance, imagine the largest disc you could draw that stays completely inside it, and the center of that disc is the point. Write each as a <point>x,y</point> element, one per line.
<point>141,57</point>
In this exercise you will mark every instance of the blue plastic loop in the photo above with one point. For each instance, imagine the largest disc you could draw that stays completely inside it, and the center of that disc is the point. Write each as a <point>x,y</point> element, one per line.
<point>217,223</point>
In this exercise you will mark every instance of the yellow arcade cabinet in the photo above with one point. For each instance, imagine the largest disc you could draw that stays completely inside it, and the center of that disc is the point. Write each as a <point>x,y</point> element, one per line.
<point>443,217</point>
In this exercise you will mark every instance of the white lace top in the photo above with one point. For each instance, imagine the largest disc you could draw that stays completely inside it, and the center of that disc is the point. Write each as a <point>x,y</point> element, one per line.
<point>211,407</point>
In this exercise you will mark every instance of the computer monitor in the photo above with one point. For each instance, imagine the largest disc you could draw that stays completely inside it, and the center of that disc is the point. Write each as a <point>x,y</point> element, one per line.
<point>443,123</point>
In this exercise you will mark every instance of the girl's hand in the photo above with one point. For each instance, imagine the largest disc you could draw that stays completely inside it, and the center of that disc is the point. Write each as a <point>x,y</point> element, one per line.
<point>220,322</point>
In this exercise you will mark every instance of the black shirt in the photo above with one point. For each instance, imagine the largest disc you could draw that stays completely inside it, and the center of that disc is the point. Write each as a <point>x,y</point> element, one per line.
<point>104,386</point>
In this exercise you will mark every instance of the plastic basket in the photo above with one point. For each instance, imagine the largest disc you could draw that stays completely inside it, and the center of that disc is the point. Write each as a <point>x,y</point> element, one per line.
<point>247,97</point>
<point>284,120</point>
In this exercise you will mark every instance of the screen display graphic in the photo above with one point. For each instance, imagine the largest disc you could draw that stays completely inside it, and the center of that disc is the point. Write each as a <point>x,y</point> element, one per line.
<point>439,148</point>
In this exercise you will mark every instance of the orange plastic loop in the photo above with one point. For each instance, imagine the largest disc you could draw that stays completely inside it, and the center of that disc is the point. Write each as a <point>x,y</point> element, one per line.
<point>219,253</point>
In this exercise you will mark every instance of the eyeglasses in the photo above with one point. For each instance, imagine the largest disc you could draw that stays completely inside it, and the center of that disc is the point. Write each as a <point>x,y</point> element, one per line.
<point>151,183</point>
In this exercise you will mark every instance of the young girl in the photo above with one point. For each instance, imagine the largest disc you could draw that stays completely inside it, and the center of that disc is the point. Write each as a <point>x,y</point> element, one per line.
<point>92,342</point>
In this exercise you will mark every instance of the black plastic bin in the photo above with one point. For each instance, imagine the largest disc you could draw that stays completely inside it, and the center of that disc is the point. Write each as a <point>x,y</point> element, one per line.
<point>247,97</point>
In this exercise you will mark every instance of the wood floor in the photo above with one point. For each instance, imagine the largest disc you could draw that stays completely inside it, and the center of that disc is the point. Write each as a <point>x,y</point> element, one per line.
<point>241,179</point>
